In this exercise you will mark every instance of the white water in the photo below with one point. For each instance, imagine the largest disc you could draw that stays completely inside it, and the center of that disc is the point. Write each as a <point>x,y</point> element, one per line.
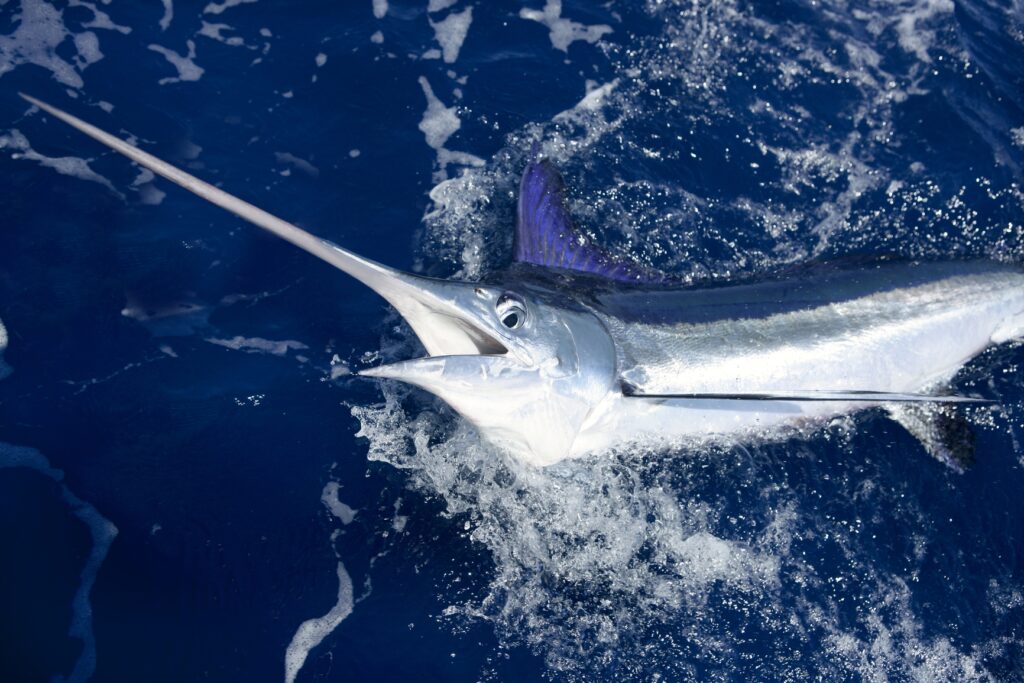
<point>103,533</point>
<point>313,631</point>
<point>19,147</point>
<point>564,32</point>
<point>5,369</point>
<point>168,17</point>
<point>451,32</point>
<point>259,345</point>
<point>220,7</point>
<point>437,125</point>
<point>187,69</point>
<point>40,31</point>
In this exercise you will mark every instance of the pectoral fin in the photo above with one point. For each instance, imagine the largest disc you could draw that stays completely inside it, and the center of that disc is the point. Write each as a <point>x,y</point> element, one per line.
<point>943,431</point>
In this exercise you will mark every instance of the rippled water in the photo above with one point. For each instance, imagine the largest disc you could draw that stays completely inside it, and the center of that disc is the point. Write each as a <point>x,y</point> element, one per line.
<point>195,486</point>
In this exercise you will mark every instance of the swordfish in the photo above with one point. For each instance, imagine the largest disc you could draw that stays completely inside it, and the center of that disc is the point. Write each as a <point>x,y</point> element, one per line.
<point>570,351</point>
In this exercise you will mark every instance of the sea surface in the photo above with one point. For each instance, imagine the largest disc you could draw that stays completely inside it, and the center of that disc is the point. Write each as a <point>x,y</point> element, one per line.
<point>195,487</point>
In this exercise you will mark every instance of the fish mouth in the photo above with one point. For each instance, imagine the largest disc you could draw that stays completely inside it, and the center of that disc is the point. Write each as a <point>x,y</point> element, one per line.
<point>451,320</point>
<point>478,354</point>
<point>442,375</point>
<point>455,322</point>
<point>448,317</point>
<point>443,334</point>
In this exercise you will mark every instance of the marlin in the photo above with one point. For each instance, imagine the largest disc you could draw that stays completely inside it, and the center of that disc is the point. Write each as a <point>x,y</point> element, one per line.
<point>570,351</point>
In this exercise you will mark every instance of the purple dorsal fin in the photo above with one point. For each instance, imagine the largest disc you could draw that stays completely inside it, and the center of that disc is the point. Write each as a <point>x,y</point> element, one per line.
<point>546,235</point>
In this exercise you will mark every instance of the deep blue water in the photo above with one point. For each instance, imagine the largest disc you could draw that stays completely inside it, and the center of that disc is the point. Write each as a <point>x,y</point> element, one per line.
<point>179,376</point>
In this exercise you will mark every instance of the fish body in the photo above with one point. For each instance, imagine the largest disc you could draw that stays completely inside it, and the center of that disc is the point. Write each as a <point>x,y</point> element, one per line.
<point>893,328</point>
<point>673,366</point>
<point>571,351</point>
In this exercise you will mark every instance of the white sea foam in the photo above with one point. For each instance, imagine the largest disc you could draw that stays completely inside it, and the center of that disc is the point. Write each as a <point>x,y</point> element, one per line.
<point>137,310</point>
<point>5,369</point>
<point>1017,135</point>
<point>100,19</point>
<point>912,23</point>
<point>593,557</point>
<point>148,192</point>
<point>339,368</point>
<point>451,32</point>
<point>329,497</point>
<point>165,20</point>
<point>216,32</point>
<point>88,46</point>
<point>102,532</point>
<point>297,163</point>
<point>40,31</point>
<point>377,37</point>
<point>220,7</point>
<point>312,632</point>
<point>380,8</point>
<point>187,69</point>
<point>259,345</point>
<point>895,642</point>
<point>20,148</point>
<point>564,32</point>
<point>438,124</point>
<point>167,319</point>
<point>438,5</point>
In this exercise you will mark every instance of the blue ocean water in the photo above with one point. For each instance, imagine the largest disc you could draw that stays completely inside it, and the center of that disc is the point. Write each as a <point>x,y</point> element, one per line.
<point>194,487</point>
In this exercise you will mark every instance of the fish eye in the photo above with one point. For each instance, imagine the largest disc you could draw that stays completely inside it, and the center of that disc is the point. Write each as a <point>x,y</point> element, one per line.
<point>511,311</point>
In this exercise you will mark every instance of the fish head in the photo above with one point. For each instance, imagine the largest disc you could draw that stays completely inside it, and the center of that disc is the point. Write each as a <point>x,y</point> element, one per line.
<point>524,367</point>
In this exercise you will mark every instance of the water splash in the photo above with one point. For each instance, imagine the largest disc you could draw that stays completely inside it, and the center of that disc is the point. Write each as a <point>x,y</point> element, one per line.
<point>696,565</point>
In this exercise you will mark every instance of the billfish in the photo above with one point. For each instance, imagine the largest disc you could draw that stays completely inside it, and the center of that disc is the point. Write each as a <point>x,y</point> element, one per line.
<point>570,351</point>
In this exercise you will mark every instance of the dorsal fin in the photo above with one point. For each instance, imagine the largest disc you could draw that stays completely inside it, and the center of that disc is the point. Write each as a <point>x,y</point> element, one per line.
<point>546,235</point>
